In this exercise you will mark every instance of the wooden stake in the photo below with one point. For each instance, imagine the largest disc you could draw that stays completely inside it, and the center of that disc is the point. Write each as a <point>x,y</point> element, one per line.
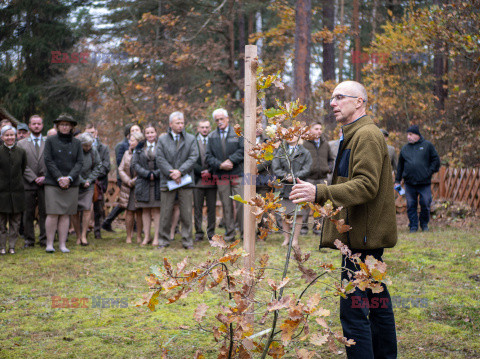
<point>250,165</point>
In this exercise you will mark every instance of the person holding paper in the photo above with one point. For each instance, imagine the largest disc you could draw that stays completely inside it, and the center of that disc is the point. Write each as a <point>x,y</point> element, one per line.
<point>177,154</point>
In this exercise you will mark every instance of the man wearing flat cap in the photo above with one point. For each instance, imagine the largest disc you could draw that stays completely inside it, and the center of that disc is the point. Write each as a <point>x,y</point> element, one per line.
<point>22,131</point>
<point>417,163</point>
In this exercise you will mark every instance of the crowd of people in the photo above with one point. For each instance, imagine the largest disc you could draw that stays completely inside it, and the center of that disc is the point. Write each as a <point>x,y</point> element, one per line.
<point>60,180</point>
<point>164,179</point>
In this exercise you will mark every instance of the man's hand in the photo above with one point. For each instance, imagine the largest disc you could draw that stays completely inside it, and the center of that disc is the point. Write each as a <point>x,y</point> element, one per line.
<point>226,165</point>
<point>303,192</point>
<point>40,180</point>
<point>175,175</point>
<point>289,178</point>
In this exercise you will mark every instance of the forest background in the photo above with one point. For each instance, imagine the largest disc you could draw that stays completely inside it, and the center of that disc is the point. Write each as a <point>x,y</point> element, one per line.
<point>116,62</point>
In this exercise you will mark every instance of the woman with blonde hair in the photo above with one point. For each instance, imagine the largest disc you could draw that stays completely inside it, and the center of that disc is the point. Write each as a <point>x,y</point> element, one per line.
<point>147,185</point>
<point>127,189</point>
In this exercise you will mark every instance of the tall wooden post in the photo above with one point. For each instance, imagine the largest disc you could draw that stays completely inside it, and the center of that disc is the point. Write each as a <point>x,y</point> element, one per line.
<point>250,165</point>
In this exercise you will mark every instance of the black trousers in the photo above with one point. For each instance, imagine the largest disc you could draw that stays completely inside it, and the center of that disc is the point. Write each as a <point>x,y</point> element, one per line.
<point>34,199</point>
<point>98,215</point>
<point>368,318</point>
<point>116,211</point>
<point>199,196</point>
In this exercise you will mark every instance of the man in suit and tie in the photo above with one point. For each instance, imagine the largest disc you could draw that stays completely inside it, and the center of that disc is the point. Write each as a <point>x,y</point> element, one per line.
<point>225,158</point>
<point>176,156</point>
<point>33,179</point>
<point>204,189</point>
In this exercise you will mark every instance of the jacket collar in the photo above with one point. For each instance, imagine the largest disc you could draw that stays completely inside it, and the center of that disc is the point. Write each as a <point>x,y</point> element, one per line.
<point>227,130</point>
<point>350,129</point>
<point>182,134</point>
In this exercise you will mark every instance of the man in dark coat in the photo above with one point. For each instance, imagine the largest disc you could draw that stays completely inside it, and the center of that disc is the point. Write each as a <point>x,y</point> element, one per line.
<point>120,149</point>
<point>102,180</point>
<point>13,161</point>
<point>204,190</point>
<point>417,163</point>
<point>176,156</point>
<point>362,185</point>
<point>225,158</point>
<point>33,179</point>
<point>322,165</point>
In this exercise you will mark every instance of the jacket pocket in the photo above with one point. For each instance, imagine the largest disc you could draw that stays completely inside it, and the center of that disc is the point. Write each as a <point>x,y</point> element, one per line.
<point>343,164</point>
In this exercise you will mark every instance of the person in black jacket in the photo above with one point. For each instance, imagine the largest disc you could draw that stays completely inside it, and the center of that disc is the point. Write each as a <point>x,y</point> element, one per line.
<point>101,184</point>
<point>417,162</point>
<point>63,160</point>
<point>225,158</point>
<point>13,160</point>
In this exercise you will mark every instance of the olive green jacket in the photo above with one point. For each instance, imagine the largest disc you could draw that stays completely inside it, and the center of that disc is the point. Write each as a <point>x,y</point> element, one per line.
<point>362,184</point>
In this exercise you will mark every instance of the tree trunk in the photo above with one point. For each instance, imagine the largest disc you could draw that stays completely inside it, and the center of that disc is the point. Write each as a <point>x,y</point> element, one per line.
<point>328,65</point>
<point>302,51</point>
<point>340,53</point>
<point>357,49</point>
<point>241,42</point>
<point>440,69</point>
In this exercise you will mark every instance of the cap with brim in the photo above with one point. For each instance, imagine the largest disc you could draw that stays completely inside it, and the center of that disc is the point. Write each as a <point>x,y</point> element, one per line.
<point>22,126</point>
<point>65,118</point>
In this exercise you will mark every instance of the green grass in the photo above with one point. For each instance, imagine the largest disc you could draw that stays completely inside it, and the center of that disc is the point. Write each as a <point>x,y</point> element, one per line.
<point>434,266</point>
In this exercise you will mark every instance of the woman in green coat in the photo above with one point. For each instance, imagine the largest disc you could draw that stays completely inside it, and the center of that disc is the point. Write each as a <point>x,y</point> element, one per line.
<point>13,160</point>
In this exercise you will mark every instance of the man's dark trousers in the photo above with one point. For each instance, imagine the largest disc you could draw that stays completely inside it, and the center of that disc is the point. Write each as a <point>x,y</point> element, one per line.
<point>34,198</point>
<point>115,212</point>
<point>412,193</point>
<point>199,195</point>
<point>368,318</point>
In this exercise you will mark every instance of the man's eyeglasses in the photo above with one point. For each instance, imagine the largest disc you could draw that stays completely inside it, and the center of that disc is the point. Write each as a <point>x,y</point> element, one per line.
<point>340,97</point>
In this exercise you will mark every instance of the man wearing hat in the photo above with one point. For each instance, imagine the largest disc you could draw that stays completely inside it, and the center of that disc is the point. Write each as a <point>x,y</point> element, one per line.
<point>22,131</point>
<point>417,162</point>
<point>391,152</point>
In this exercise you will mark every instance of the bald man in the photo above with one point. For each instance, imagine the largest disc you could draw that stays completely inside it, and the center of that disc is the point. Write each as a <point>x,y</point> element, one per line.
<point>362,184</point>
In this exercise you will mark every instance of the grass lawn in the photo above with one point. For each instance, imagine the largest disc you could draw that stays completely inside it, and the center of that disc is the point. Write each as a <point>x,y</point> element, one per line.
<point>436,274</point>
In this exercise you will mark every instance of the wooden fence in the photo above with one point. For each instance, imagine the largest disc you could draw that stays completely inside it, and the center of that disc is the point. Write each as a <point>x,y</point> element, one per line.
<point>458,184</point>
